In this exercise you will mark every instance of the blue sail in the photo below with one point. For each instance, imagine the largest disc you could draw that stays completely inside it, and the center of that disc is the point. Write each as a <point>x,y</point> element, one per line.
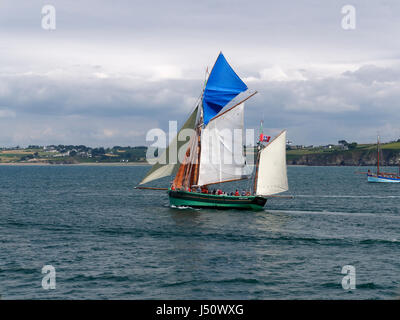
<point>223,85</point>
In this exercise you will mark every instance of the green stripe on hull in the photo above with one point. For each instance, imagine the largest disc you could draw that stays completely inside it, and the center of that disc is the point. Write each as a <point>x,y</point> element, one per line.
<point>191,199</point>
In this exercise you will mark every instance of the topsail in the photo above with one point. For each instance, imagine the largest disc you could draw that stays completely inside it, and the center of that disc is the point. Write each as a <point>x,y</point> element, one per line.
<point>223,85</point>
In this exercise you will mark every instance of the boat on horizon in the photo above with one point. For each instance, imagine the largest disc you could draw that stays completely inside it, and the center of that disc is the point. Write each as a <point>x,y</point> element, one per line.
<point>220,109</point>
<point>380,176</point>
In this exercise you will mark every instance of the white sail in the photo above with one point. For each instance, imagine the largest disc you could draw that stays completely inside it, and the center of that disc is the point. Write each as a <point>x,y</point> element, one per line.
<point>222,157</point>
<point>160,170</point>
<point>272,177</point>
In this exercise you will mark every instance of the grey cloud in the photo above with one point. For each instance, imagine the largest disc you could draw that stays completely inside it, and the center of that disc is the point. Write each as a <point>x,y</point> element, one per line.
<point>315,106</point>
<point>143,61</point>
<point>370,73</point>
<point>115,97</point>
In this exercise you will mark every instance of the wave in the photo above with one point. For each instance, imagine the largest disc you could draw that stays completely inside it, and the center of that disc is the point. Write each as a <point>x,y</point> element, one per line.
<point>344,196</point>
<point>369,285</point>
<point>221,281</point>
<point>383,241</point>
<point>81,277</point>
<point>342,213</point>
<point>180,207</point>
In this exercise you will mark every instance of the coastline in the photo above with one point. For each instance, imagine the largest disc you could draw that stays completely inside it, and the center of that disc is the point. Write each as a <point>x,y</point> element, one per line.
<point>145,164</point>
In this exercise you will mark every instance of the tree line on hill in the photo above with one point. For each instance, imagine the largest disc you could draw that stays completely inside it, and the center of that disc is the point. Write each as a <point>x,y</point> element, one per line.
<point>116,153</point>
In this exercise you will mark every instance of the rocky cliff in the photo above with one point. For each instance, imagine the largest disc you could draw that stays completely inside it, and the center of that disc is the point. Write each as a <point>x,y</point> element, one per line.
<point>346,158</point>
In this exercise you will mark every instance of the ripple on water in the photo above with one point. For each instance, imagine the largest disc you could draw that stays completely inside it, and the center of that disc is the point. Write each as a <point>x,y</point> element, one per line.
<point>107,240</point>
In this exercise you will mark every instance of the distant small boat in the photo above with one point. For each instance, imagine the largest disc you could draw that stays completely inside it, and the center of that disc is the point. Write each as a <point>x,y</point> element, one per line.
<point>382,176</point>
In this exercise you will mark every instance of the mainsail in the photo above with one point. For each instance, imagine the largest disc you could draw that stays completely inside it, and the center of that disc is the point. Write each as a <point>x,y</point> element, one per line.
<point>160,170</point>
<point>271,172</point>
<point>222,158</point>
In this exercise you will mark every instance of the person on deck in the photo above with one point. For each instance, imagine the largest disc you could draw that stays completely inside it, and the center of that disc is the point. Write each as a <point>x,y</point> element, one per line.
<point>237,193</point>
<point>219,192</point>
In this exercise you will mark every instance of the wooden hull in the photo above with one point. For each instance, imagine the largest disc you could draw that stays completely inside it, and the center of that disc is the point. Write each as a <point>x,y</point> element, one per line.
<point>202,200</point>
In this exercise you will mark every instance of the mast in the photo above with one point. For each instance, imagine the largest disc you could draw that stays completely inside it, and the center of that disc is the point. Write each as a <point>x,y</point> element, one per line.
<point>258,157</point>
<point>195,177</point>
<point>196,171</point>
<point>256,173</point>
<point>377,147</point>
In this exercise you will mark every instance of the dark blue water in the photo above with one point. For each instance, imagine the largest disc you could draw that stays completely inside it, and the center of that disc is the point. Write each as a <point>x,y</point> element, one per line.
<point>109,241</point>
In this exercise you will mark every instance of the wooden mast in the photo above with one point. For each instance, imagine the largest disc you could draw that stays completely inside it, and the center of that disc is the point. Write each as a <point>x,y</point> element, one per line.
<point>256,173</point>
<point>195,173</point>
<point>195,177</point>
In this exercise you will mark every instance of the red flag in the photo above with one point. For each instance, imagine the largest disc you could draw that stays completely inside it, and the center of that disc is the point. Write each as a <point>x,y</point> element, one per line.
<point>264,138</point>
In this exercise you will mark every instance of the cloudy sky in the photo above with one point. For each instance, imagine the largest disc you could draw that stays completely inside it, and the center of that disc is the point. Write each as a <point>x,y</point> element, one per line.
<point>112,70</point>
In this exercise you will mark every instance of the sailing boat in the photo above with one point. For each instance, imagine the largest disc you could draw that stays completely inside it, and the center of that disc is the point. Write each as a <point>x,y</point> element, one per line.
<point>381,176</point>
<point>208,153</point>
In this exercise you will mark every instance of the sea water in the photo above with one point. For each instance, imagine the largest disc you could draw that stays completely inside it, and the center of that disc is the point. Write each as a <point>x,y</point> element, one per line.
<point>106,240</point>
